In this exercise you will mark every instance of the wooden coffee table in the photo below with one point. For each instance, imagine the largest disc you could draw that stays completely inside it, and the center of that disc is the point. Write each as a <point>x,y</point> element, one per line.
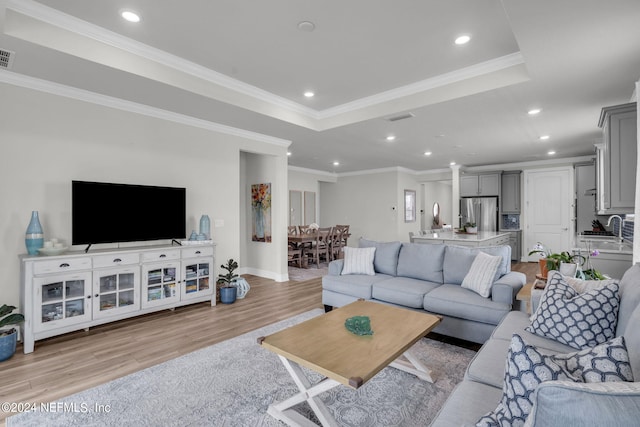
<point>326,346</point>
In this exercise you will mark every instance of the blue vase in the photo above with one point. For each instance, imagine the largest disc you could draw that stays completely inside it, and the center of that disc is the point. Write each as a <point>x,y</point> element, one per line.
<point>259,223</point>
<point>34,237</point>
<point>205,226</point>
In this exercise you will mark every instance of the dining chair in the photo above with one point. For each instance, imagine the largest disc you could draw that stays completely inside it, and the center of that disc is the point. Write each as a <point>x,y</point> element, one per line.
<point>292,230</point>
<point>321,247</point>
<point>295,255</point>
<point>344,233</point>
<point>336,243</point>
<point>303,229</point>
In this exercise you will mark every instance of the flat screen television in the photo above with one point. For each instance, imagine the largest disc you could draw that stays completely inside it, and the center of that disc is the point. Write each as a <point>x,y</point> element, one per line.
<point>104,212</point>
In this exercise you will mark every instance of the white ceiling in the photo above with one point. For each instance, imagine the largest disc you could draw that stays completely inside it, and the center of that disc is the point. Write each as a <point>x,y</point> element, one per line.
<point>246,64</point>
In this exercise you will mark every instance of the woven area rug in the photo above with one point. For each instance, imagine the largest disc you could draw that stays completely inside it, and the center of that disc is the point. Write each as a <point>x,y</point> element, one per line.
<point>232,384</point>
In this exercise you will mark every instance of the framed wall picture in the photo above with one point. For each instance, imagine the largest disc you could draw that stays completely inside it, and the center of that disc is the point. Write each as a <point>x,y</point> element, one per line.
<point>409,205</point>
<point>261,212</point>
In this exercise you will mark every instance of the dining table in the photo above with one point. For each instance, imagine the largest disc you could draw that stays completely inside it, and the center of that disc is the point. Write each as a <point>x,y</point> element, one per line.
<point>301,239</point>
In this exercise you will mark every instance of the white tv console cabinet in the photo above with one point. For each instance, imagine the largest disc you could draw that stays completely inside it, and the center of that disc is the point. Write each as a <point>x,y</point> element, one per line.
<point>79,290</point>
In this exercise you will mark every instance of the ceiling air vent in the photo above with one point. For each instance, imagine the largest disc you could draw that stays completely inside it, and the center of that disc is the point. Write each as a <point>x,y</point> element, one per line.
<point>400,117</point>
<point>6,59</point>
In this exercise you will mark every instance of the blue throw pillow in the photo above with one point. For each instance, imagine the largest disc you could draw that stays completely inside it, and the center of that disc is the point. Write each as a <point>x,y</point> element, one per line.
<point>579,320</point>
<point>385,260</point>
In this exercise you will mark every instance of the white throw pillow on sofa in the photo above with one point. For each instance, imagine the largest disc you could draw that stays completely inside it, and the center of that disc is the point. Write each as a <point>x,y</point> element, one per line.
<point>481,274</point>
<point>358,261</point>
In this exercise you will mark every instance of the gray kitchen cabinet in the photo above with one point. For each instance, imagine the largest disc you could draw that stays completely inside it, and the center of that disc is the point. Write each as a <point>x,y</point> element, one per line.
<point>480,185</point>
<point>616,160</point>
<point>510,192</point>
<point>585,206</point>
<point>515,239</point>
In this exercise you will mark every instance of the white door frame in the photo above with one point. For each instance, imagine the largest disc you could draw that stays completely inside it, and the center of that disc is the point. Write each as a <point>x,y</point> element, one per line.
<point>528,242</point>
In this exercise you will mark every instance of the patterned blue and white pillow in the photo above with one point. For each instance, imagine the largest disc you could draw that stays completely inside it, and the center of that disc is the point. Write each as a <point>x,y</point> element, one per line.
<point>607,362</point>
<point>579,320</point>
<point>527,367</point>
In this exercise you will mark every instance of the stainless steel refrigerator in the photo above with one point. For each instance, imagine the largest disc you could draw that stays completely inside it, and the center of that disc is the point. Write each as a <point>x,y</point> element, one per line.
<point>481,210</point>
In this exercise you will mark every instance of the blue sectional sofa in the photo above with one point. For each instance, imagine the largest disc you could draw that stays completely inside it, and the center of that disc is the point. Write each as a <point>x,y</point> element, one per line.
<point>557,403</point>
<point>429,277</point>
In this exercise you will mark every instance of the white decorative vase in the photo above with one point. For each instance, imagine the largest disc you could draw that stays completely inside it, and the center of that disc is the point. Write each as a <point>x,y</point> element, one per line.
<point>568,269</point>
<point>243,287</point>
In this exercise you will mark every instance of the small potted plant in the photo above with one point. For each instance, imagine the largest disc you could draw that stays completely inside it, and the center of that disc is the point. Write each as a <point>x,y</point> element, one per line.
<point>556,261</point>
<point>8,335</point>
<point>471,228</point>
<point>228,290</point>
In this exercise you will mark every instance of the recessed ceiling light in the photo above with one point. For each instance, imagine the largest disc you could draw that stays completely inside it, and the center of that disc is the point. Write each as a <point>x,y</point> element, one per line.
<point>544,137</point>
<point>464,39</point>
<point>336,163</point>
<point>288,153</point>
<point>130,16</point>
<point>551,153</point>
<point>534,111</point>
<point>309,94</point>
<point>427,153</point>
<point>391,138</point>
<point>452,164</point>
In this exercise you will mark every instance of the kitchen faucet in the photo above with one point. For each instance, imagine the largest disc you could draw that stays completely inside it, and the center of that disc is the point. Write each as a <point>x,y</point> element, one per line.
<point>620,225</point>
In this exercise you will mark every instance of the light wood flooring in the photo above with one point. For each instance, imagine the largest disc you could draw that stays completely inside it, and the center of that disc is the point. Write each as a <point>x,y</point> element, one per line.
<point>67,364</point>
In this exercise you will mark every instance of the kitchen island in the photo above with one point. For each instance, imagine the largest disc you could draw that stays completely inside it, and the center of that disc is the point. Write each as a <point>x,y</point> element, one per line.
<point>481,238</point>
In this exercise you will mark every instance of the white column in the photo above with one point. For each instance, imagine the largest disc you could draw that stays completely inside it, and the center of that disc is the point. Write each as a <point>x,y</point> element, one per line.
<point>455,195</point>
<point>636,224</point>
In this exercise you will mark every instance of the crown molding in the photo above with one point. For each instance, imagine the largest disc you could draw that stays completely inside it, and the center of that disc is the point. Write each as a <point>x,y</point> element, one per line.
<point>531,164</point>
<point>376,171</point>
<point>46,86</point>
<point>441,80</point>
<point>313,172</point>
<point>83,28</point>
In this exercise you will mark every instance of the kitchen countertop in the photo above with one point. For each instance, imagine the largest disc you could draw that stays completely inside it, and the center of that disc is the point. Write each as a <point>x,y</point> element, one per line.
<point>603,245</point>
<point>452,235</point>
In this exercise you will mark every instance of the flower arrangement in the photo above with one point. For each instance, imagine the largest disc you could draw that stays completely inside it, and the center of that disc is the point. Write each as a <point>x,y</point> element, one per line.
<point>261,196</point>
<point>553,261</point>
<point>591,273</point>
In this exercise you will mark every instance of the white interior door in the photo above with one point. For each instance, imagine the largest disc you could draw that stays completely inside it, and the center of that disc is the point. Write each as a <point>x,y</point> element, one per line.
<point>548,206</point>
<point>295,207</point>
<point>309,207</point>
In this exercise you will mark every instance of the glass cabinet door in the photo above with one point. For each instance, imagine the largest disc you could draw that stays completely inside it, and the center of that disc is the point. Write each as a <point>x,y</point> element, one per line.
<point>62,300</point>
<point>196,278</point>
<point>116,291</point>
<point>160,285</point>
